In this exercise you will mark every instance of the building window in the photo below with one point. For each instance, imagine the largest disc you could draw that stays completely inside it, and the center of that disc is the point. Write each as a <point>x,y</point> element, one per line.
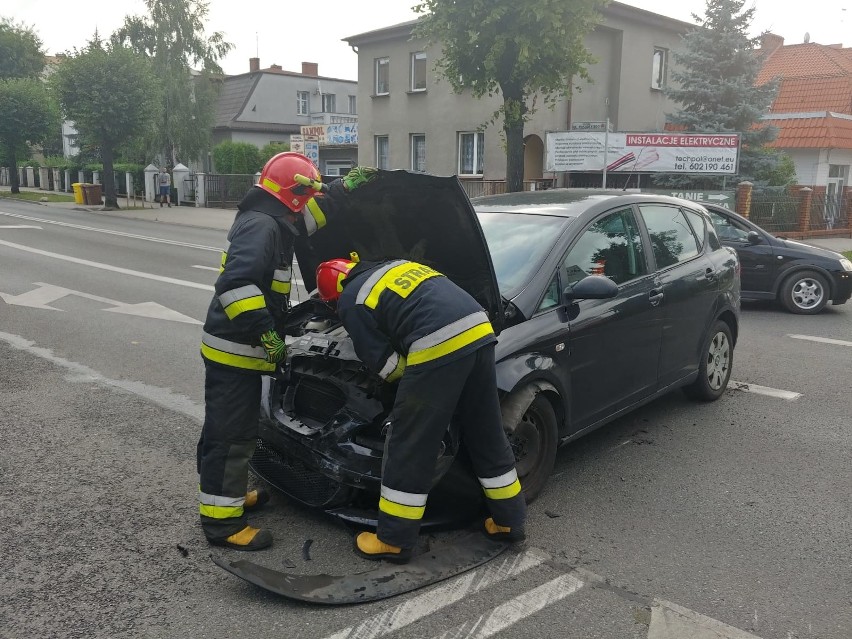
<point>382,76</point>
<point>352,105</point>
<point>418,153</point>
<point>303,103</point>
<point>328,105</point>
<point>382,160</point>
<point>471,147</point>
<point>418,71</point>
<point>658,68</point>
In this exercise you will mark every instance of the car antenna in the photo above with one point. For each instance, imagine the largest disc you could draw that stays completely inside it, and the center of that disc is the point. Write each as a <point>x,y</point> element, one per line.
<point>632,169</point>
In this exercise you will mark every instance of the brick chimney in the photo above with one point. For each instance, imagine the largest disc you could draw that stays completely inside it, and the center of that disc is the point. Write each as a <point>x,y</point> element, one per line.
<point>276,67</point>
<point>310,68</point>
<point>254,65</point>
<point>769,42</point>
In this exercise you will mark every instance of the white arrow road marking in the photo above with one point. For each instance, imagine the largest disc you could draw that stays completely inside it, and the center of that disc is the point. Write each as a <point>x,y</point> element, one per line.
<point>19,226</point>
<point>824,340</point>
<point>108,267</point>
<point>763,390</point>
<point>446,594</point>
<point>111,232</point>
<point>47,293</point>
<point>670,621</point>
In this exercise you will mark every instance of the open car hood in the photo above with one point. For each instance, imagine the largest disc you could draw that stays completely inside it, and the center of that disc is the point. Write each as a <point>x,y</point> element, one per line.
<point>415,216</point>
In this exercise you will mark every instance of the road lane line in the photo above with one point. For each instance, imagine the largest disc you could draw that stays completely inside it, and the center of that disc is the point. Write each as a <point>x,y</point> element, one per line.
<point>824,340</point>
<point>134,236</point>
<point>443,595</point>
<point>207,268</point>
<point>82,373</point>
<point>20,226</point>
<point>108,267</point>
<point>670,621</point>
<point>764,390</point>
<point>517,609</point>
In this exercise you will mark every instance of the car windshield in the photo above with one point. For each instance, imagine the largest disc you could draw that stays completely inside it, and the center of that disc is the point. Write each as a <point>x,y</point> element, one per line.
<point>518,243</point>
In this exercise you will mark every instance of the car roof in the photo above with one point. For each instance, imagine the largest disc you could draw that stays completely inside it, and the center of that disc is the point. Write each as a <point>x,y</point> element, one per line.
<point>568,202</point>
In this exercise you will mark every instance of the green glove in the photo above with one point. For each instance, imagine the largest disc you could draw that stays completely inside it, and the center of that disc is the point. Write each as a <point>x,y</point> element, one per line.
<point>276,349</point>
<point>359,176</point>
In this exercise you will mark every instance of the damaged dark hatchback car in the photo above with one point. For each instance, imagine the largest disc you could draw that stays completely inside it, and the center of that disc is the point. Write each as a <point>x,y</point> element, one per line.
<point>603,301</point>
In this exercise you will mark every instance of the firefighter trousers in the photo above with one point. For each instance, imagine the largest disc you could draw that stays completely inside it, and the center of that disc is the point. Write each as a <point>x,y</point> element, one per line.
<point>426,401</point>
<point>228,438</point>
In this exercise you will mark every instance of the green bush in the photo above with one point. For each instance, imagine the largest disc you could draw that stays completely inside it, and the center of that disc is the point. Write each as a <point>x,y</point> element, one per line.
<point>272,149</point>
<point>232,158</point>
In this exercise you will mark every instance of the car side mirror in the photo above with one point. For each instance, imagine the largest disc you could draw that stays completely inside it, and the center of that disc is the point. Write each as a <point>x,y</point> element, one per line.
<point>754,237</point>
<point>592,287</point>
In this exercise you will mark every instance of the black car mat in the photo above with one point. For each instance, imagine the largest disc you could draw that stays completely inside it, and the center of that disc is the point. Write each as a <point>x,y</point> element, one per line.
<point>456,554</point>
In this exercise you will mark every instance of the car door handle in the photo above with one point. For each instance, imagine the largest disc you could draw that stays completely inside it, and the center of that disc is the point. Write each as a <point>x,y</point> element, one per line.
<point>655,297</point>
<point>710,274</point>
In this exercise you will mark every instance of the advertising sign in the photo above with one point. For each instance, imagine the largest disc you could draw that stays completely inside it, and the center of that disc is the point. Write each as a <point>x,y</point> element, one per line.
<point>312,150</point>
<point>345,133</point>
<point>728,199</point>
<point>297,144</point>
<point>711,153</point>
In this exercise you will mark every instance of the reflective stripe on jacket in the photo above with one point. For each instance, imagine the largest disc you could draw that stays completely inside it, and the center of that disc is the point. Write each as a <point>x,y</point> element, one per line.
<point>402,314</point>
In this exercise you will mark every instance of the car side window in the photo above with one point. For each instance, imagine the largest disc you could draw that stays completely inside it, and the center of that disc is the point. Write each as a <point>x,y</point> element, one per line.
<point>729,229</point>
<point>696,220</point>
<point>672,239</point>
<point>612,246</point>
<point>551,295</point>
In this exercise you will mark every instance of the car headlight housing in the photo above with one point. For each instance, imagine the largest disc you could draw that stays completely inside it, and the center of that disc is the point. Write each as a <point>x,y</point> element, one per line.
<point>845,264</point>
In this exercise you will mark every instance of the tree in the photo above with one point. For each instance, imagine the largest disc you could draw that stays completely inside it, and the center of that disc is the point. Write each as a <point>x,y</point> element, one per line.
<point>237,158</point>
<point>519,49</point>
<point>110,94</point>
<point>29,116</point>
<point>268,151</point>
<point>715,84</point>
<point>21,55</point>
<point>172,35</point>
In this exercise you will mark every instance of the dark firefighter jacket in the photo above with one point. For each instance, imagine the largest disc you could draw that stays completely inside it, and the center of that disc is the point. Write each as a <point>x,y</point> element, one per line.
<point>403,314</point>
<point>253,287</point>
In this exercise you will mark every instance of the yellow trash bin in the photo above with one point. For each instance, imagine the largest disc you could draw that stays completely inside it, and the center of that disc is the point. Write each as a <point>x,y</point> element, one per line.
<point>78,192</point>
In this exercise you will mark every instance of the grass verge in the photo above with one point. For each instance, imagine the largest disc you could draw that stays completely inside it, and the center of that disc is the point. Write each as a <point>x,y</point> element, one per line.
<point>36,196</point>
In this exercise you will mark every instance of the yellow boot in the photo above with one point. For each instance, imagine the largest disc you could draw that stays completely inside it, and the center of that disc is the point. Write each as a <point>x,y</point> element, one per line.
<point>369,546</point>
<point>247,539</point>
<point>501,533</point>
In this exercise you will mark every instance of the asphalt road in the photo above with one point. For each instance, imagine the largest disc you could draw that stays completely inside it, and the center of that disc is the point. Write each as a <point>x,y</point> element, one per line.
<point>682,520</point>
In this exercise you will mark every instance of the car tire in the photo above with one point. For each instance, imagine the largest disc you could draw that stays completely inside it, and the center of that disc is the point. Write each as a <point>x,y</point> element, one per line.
<point>714,370</point>
<point>804,293</point>
<point>534,439</point>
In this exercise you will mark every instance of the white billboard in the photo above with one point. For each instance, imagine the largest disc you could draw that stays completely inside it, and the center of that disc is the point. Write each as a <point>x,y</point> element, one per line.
<point>713,153</point>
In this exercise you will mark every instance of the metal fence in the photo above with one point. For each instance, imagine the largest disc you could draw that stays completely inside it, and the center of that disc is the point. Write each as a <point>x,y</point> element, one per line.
<point>780,211</point>
<point>477,188</point>
<point>226,191</point>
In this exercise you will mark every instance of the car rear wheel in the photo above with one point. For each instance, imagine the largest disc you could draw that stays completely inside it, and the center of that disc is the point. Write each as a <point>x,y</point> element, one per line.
<point>533,436</point>
<point>804,293</point>
<point>714,371</point>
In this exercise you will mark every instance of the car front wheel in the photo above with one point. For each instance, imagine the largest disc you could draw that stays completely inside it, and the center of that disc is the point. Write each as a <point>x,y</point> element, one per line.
<point>804,293</point>
<point>532,434</point>
<point>714,370</point>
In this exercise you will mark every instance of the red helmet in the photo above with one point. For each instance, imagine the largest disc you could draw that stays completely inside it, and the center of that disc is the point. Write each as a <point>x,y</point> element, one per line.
<point>330,276</point>
<point>277,179</point>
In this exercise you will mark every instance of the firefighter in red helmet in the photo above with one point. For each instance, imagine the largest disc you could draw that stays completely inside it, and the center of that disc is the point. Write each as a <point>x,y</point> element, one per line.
<point>239,340</point>
<point>410,323</point>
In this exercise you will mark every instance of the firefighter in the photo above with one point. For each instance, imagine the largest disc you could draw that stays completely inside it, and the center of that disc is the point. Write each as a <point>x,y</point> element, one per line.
<point>240,342</point>
<point>409,323</point>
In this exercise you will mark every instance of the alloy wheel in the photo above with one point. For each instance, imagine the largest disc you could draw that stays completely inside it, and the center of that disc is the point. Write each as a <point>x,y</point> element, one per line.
<point>718,360</point>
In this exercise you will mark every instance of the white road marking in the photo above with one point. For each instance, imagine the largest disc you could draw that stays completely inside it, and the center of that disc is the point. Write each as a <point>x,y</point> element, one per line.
<point>443,595</point>
<point>764,390</point>
<point>81,373</point>
<point>109,267</point>
<point>111,232</point>
<point>670,621</point>
<point>824,340</point>
<point>46,293</point>
<point>19,226</point>
<point>517,609</point>
<point>206,268</point>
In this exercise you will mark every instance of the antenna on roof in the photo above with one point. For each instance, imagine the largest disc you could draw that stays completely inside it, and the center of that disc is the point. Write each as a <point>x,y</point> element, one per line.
<point>256,45</point>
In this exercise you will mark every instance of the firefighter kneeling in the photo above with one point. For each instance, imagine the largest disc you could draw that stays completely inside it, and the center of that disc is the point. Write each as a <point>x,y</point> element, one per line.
<point>445,366</point>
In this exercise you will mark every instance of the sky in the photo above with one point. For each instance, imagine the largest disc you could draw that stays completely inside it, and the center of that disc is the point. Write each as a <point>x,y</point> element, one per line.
<point>313,31</point>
